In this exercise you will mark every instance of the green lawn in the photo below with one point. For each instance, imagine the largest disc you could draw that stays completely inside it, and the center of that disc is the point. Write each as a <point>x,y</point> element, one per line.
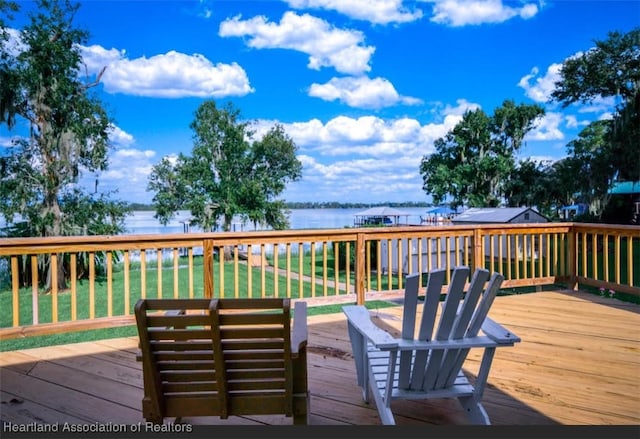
<point>100,306</point>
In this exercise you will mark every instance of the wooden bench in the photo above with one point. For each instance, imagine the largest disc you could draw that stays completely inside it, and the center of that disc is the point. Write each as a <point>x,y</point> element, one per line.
<point>223,357</point>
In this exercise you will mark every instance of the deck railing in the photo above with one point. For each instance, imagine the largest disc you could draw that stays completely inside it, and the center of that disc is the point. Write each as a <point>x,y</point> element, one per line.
<point>60,284</point>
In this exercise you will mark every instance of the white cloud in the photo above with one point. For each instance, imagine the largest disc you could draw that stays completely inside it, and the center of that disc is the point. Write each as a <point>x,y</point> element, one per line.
<point>367,136</point>
<point>96,57</point>
<point>374,11</point>
<point>6,142</point>
<point>599,104</point>
<point>572,121</point>
<point>361,92</point>
<point>547,128</point>
<point>120,138</point>
<point>326,45</point>
<point>176,75</point>
<point>365,158</point>
<point>14,45</point>
<point>371,136</point>
<point>169,75</point>
<point>128,173</point>
<point>462,106</point>
<point>543,86</point>
<point>474,12</point>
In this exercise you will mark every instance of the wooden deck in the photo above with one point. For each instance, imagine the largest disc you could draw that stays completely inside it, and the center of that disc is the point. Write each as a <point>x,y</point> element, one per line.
<point>578,363</point>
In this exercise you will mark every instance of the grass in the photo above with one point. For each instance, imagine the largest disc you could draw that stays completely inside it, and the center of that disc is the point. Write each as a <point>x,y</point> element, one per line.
<point>285,288</point>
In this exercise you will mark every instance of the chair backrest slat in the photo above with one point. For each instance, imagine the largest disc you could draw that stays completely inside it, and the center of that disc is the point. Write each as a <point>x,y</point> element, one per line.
<point>427,324</point>
<point>453,359</point>
<point>412,286</point>
<point>445,325</point>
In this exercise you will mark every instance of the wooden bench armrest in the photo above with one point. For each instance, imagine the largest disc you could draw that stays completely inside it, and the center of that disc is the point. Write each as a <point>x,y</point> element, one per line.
<point>299,336</point>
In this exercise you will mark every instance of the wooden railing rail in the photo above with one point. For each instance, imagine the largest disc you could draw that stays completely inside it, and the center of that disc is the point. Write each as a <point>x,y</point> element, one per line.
<point>61,284</point>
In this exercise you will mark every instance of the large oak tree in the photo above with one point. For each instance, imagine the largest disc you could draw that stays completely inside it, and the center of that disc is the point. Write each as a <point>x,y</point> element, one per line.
<point>609,70</point>
<point>473,162</point>
<point>228,172</point>
<point>68,133</point>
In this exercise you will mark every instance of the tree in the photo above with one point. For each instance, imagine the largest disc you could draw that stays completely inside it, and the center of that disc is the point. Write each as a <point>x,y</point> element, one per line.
<point>474,160</point>
<point>593,162</point>
<point>526,187</point>
<point>228,172</point>
<point>8,78</point>
<point>68,134</point>
<point>610,69</point>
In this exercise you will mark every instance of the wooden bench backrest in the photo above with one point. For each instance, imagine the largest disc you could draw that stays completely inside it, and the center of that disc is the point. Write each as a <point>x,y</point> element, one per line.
<point>217,357</point>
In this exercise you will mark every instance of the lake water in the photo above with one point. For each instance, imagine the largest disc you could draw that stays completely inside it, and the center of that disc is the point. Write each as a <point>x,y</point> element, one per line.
<point>143,222</point>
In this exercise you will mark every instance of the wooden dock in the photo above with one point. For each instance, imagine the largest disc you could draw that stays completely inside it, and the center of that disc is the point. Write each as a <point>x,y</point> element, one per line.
<point>578,364</point>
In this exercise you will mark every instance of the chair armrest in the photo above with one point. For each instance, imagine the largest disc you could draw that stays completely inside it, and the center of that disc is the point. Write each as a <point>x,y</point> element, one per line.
<point>499,333</point>
<point>299,336</point>
<point>358,316</point>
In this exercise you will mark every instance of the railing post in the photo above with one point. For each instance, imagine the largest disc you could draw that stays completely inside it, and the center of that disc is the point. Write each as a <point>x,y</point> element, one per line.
<point>478,257</point>
<point>207,267</point>
<point>572,259</point>
<point>360,269</point>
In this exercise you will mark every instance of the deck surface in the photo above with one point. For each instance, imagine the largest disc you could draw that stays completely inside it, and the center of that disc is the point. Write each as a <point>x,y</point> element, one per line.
<point>578,364</point>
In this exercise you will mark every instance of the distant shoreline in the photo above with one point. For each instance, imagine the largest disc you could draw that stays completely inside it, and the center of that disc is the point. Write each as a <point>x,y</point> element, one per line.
<point>316,205</point>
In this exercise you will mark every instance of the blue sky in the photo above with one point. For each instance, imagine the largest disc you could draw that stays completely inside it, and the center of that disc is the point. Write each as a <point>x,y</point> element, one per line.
<point>363,87</point>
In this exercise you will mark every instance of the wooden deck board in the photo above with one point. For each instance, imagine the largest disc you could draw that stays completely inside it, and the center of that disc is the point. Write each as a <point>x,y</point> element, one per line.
<point>578,363</point>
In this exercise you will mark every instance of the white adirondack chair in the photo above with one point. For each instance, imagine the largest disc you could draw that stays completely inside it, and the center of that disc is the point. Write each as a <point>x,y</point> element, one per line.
<point>430,364</point>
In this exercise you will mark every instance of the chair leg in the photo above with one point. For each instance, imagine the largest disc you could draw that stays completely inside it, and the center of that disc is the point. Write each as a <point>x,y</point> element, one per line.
<point>475,411</point>
<point>301,419</point>
<point>384,407</point>
<point>302,409</point>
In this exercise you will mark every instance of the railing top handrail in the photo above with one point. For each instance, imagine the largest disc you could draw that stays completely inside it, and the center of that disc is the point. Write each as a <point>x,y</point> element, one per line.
<point>598,226</point>
<point>53,243</point>
<point>280,234</point>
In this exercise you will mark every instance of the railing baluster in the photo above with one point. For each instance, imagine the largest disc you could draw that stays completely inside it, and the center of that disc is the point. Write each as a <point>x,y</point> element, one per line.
<point>176,267</point>
<point>288,265</point>
<point>313,269</point>
<point>348,267</point>
<point>109,285</point>
<point>54,288</point>
<point>143,273</point>
<point>263,270</point>
<point>276,274</point>
<point>236,275</point>
<point>630,260</point>
<point>594,256</point>
<point>301,270</point>
<point>159,273</point>
<point>190,263</point>
<point>336,267</point>
<point>34,289</point>
<point>324,268</point>
<point>92,285</point>
<point>378,264</point>
<point>399,261</point>
<point>127,286</point>
<point>15,291</point>
<point>605,250</point>
<point>249,271</point>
